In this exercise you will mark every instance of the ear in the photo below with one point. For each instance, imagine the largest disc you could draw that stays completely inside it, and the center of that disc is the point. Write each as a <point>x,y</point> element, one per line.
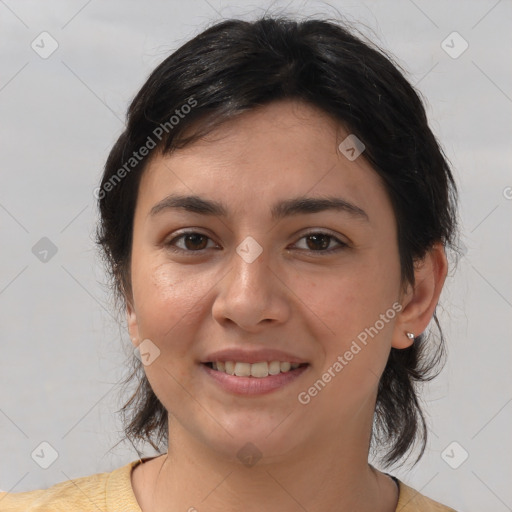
<point>419,302</point>
<point>133,328</point>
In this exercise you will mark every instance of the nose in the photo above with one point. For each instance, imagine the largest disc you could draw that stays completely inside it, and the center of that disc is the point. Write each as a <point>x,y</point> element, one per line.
<point>252,295</point>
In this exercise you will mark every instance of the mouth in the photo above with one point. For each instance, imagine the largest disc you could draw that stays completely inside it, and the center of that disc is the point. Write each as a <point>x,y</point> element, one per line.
<point>258,370</point>
<point>246,379</point>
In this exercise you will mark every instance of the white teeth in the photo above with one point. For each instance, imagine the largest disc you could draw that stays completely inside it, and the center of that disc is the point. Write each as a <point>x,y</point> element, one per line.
<point>274,368</point>
<point>259,370</point>
<point>243,369</point>
<point>230,367</point>
<point>285,367</point>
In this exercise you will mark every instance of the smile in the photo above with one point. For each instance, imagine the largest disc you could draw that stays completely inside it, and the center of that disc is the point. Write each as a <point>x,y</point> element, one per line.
<point>259,370</point>
<point>238,377</point>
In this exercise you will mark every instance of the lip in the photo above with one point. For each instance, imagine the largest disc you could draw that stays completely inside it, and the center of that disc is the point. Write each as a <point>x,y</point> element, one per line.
<point>252,356</point>
<point>253,385</point>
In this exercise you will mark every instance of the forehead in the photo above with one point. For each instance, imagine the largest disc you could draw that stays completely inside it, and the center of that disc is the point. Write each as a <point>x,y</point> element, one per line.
<point>283,149</point>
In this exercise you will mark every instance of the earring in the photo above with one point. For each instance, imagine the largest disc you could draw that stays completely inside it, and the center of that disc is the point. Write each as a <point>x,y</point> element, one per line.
<point>410,335</point>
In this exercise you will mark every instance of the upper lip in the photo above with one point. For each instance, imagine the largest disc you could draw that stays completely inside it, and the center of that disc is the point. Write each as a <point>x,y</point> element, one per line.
<point>252,356</point>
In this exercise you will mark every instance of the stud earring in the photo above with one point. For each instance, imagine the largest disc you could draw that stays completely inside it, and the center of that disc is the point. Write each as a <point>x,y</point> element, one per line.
<point>410,335</point>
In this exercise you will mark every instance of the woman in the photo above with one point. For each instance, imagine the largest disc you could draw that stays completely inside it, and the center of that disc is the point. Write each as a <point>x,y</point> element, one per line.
<point>274,218</point>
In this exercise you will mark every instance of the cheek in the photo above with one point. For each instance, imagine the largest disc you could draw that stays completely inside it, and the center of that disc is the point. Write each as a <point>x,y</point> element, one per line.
<point>167,314</point>
<point>356,345</point>
<point>355,315</point>
<point>347,299</point>
<point>168,302</point>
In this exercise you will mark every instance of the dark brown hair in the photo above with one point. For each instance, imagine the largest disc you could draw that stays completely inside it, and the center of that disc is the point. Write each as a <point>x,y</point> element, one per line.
<point>235,66</point>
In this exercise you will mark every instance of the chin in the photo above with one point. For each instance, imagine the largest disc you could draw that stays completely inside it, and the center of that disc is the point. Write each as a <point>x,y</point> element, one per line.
<point>254,440</point>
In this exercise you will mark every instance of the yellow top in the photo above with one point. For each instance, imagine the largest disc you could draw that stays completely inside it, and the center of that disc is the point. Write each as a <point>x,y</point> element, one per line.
<point>113,492</point>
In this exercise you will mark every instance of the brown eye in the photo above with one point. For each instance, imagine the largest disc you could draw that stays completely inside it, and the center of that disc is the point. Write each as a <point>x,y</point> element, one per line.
<point>195,241</point>
<point>191,242</point>
<point>320,242</point>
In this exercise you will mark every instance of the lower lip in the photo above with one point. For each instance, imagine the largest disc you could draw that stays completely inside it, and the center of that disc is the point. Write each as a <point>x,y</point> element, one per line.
<point>253,385</point>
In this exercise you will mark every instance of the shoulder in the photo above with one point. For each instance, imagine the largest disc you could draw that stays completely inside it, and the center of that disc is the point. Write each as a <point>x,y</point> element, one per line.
<point>411,500</point>
<point>101,491</point>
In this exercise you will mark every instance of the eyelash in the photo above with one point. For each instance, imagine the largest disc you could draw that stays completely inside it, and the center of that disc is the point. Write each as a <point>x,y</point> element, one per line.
<point>342,245</point>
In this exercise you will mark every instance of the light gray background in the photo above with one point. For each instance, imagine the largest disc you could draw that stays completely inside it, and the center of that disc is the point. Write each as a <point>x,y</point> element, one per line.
<point>62,353</point>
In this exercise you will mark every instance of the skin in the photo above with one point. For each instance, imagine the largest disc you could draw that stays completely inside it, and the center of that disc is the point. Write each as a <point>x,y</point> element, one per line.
<point>293,297</point>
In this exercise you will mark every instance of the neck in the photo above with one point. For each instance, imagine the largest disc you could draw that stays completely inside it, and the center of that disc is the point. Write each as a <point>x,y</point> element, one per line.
<point>323,476</point>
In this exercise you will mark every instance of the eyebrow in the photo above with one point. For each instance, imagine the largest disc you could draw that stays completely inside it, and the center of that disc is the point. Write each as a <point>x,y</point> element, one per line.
<point>286,208</point>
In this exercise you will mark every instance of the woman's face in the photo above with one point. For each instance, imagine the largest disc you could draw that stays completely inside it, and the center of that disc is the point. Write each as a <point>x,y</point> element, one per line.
<point>319,284</point>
